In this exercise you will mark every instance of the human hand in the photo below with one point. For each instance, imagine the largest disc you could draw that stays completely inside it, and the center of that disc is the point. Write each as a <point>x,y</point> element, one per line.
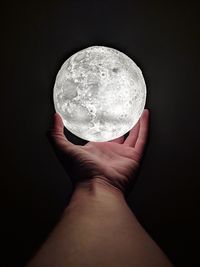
<point>114,163</point>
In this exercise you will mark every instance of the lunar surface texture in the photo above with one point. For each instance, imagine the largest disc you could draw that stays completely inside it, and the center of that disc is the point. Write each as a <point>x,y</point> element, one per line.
<point>100,93</point>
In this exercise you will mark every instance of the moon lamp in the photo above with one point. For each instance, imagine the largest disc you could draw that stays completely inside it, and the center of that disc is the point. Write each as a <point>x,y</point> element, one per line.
<point>100,93</point>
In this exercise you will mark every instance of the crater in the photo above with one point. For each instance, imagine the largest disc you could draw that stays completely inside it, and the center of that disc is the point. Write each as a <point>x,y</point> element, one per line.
<point>115,70</point>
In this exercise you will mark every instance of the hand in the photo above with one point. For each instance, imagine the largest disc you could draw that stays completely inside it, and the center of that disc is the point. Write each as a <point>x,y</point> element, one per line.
<point>114,163</point>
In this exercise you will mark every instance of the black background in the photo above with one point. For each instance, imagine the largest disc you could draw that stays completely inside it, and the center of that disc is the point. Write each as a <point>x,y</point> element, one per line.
<point>162,37</point>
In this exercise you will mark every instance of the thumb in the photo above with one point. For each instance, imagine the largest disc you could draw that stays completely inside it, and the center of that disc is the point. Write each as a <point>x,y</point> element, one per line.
<point>56,134</point>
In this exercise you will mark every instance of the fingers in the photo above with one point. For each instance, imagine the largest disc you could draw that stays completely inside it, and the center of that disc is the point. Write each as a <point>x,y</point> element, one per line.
<point>58,126</point>
<point>133,134</point>
<point>57,133</point>
<point>143,132</point>
<point>118,140</point>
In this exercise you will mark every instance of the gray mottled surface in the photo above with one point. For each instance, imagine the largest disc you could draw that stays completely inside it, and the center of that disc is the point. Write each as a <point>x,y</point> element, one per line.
<point>100,93</point>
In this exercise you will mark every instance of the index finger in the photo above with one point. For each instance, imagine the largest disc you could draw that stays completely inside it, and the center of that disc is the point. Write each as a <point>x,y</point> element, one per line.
<point>143,132</point>
<point>57,132</point>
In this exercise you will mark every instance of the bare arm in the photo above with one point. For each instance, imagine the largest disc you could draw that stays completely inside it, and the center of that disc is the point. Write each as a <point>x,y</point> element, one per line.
<point>98,228</point>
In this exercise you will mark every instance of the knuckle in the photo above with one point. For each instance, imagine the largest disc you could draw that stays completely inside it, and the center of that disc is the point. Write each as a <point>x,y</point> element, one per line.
<point>55,134</point>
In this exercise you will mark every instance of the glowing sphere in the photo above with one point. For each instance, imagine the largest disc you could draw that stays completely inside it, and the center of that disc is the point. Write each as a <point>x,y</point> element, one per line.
<point>100,93</point>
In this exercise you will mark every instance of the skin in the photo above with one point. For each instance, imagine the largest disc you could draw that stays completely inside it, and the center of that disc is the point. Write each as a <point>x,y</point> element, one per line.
<point>98,228</point>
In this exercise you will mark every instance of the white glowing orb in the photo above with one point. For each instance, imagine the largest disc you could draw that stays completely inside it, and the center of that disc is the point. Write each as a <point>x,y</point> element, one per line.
<point>100,93</point>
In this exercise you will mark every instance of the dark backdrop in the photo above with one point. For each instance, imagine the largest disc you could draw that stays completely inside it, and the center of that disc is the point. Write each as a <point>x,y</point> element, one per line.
<point>162,37</point>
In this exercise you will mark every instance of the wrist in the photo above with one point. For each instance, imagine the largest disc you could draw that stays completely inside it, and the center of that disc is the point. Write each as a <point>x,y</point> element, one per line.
<point>95,190</point>
<point>100,185</point>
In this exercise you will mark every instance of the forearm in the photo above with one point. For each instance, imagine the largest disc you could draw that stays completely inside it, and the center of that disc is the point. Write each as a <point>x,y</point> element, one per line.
<point>98,229</point>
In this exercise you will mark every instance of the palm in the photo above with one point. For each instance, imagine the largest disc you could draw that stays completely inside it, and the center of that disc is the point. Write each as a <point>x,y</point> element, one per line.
<point>115,162</point>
